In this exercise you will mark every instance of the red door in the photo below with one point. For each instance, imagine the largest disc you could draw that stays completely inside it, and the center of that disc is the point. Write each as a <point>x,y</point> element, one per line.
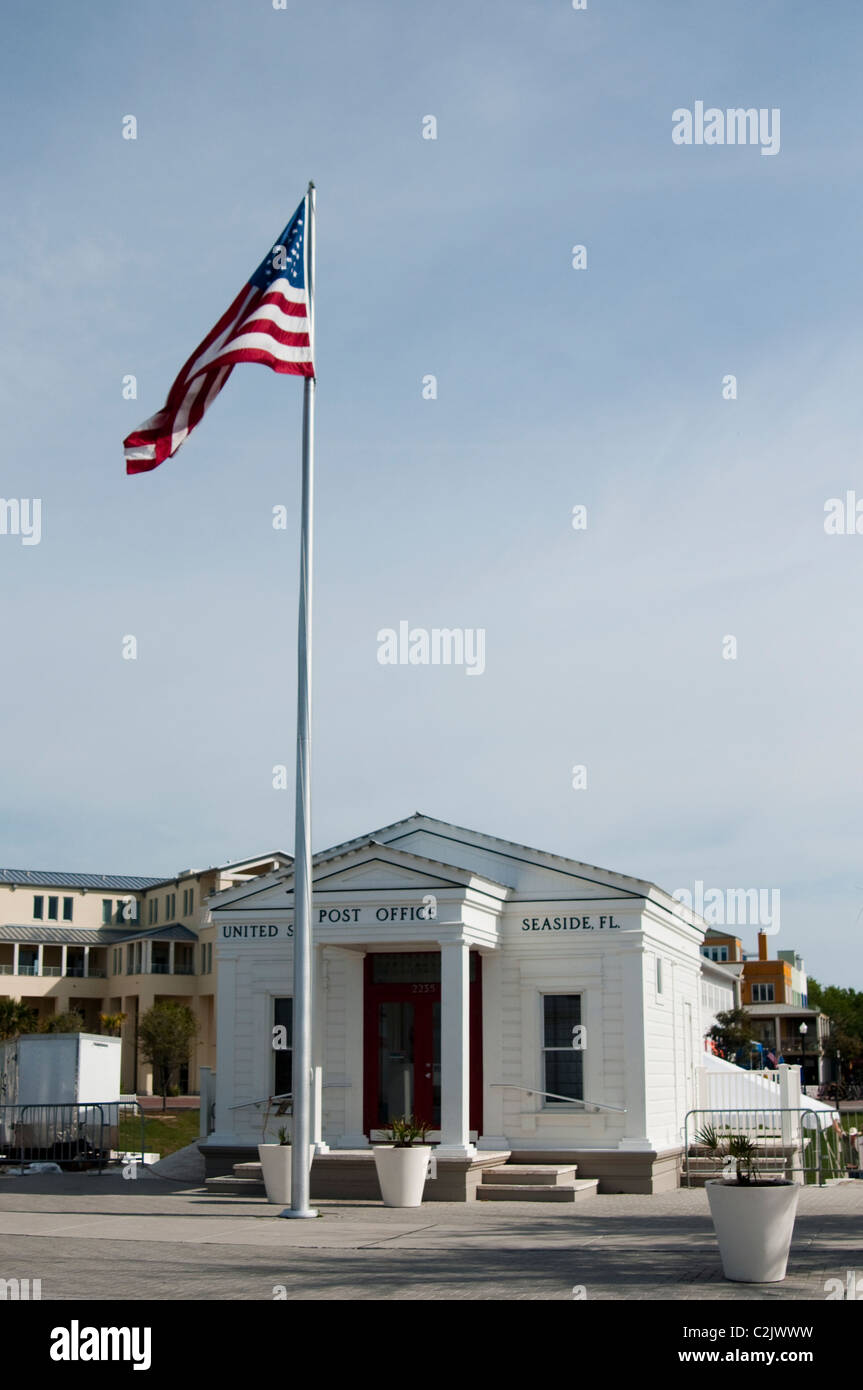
<point>402,1067</point>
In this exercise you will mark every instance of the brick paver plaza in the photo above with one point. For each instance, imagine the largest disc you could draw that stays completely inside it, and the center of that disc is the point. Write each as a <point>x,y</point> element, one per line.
<point>100,1237</point>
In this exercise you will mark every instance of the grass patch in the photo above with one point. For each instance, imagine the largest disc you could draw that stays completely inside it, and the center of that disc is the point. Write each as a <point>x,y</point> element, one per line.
<point>162,1135</point>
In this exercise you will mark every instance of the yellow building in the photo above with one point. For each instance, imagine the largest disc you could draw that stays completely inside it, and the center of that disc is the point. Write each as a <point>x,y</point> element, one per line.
<point>116,943</point>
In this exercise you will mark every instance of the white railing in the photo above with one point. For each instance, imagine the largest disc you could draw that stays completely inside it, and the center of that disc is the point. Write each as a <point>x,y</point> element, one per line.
<point>570,1100</point>
<point>726,1090</point>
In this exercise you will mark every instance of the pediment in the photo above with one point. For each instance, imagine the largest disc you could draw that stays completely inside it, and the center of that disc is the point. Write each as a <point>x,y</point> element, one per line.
<point>380,874</point>
<point>371,868</point>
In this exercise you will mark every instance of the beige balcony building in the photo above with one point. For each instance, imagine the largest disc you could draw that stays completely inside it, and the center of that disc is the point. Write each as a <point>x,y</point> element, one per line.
<point>115,943</point>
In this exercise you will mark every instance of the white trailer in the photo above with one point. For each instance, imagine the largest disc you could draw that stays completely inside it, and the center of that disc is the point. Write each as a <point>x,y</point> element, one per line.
<point>59,1095</point>
<point>59,1069</point>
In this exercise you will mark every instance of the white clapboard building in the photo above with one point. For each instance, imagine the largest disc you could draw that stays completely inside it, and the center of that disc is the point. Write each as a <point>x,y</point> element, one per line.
<point>522,1004</point>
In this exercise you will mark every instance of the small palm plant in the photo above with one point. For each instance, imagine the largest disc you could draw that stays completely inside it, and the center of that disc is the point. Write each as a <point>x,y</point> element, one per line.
<point>738,1151</point>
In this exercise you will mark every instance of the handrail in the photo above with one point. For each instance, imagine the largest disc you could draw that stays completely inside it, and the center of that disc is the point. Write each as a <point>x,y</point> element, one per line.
<point>287,1095</point>
<point>597,1105</point>
<point>325,1085</point>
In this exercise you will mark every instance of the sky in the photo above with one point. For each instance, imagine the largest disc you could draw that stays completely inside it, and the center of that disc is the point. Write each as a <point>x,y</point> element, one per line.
<point>604,387</point>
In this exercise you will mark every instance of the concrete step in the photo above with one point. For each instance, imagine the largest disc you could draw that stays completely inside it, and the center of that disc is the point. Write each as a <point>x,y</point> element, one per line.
<point>537,1191</point>
<point>702,1170</point>
<point>710,1165</point>
<point>763,1150</point>
<point>532,1174</point>
<point>249,1187</point>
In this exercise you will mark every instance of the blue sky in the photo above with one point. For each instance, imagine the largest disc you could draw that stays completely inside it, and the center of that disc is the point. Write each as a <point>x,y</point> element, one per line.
<point>555,387</point>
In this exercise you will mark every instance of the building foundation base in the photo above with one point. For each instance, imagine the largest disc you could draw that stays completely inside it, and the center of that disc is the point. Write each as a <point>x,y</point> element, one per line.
<point>346,1174</point>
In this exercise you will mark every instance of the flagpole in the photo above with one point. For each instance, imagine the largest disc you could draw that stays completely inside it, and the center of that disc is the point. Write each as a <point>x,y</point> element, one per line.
<point>301,1085</point>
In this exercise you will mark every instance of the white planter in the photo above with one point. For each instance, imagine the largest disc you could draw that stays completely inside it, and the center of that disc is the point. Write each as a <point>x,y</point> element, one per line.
<point>753,1225</point>
<point>276,1168</point>
<point>402,1173</point>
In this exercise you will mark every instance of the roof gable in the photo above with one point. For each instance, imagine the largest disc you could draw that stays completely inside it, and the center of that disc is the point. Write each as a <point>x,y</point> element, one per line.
<point>369,867</point>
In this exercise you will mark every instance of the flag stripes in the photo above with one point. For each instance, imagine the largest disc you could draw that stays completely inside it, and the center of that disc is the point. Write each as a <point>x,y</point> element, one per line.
<point>268,322</point>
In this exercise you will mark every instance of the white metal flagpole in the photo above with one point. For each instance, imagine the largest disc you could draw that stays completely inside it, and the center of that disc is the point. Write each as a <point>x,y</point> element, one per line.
<point>301,1085</point>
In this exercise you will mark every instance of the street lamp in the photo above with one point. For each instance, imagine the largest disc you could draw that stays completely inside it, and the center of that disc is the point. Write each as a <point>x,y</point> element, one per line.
<point>803,1030</point>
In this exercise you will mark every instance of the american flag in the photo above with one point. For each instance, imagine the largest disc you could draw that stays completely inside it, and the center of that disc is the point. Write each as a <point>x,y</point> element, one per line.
<point>269,322</point>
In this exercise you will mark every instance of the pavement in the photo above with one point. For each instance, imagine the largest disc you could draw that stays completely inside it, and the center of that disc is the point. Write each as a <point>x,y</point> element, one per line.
<point>102,1237</point>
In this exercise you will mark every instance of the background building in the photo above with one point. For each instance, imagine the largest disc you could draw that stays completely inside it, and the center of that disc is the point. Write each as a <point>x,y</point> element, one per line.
<point>116,943</point>
<point>775,995</point>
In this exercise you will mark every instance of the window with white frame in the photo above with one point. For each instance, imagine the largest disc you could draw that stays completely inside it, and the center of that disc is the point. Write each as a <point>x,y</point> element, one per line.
<point>562,1064</point>
<point>717,953</point>
<point>763,994</point>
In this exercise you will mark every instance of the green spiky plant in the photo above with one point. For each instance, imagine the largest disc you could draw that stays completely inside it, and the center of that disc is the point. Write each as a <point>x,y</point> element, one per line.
<point>406,1130</point>
<point>738,1147</point>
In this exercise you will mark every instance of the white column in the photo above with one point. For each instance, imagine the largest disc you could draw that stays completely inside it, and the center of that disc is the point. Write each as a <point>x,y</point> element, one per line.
<point>64,961</point>
<point>493,1136</point>
<point>40,952</point>
<point>632,965</point>
<point>226,1015</point>
<point>777,1025</point>
<point>791,1103</point>
<point>15,962</point>
<point>455,1050</point>
<point>86,962</point>
<point>171,945</point>
<point>204,1089</point>
<point>354,968</point>
<point>319,1018</point>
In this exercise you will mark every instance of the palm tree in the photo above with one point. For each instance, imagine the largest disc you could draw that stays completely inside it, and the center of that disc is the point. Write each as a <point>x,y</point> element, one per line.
<point>68,1022</point>
<point>16,1017</point>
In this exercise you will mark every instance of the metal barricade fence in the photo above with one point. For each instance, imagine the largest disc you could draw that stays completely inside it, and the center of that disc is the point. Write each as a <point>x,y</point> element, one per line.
<point>116,1108</point>
<point>787,1143</point>
<point>74,1135</point>
<point>81,1135</point>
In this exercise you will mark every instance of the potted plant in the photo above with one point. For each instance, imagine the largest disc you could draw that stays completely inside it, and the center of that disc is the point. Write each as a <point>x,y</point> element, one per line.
<point>402,1165</point>
<point>276,1158</point>
<point>753,1215</point>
